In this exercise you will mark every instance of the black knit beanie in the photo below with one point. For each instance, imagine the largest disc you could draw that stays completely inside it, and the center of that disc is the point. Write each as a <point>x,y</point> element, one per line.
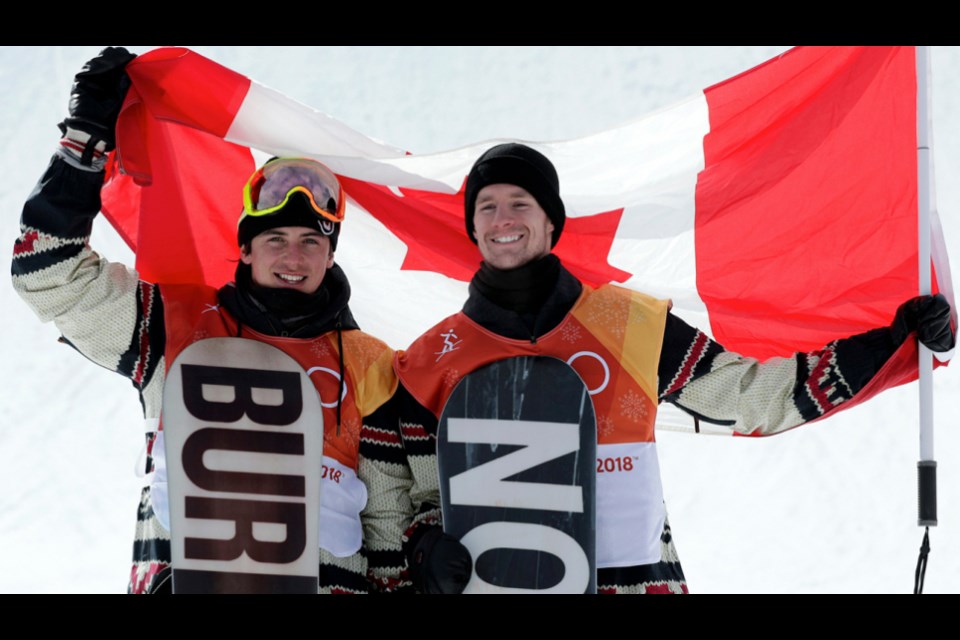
<point>518,164</point>
<point>298,212</point>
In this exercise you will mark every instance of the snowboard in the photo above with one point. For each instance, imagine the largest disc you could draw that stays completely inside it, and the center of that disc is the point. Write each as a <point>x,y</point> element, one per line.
<point>243,436</point>
<point>516,448</point>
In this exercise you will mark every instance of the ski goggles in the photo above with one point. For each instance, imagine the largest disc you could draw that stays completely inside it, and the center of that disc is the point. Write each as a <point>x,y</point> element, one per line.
<point>269,189</point>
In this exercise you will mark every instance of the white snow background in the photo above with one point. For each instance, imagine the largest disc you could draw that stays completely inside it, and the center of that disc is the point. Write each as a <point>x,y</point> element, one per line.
<point>830,507</point>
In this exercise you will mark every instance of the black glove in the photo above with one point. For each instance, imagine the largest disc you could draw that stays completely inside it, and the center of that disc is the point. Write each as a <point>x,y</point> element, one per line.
<point>929,316</point>
<point>97,95</point>
<point>439,563</point>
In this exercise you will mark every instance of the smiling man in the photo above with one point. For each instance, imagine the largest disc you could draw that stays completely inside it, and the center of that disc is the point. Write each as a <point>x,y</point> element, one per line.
<point>288,293</point>
<point>297,254</point>
<point>510,227</point>
<point>523,302</point>
<point>293,258</point>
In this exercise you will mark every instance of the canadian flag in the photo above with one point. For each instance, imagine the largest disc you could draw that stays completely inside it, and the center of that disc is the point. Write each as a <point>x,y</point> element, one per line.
<point>777,209</point>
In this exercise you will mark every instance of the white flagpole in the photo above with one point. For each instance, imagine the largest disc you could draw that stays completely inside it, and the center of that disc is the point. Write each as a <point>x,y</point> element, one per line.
<point>927,465</point>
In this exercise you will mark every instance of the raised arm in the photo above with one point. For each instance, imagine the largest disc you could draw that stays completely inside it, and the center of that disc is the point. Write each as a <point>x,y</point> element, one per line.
<point>101,308</point>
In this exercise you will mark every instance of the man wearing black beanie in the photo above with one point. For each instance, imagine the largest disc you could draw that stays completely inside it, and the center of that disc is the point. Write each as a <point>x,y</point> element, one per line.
<point>523,302</point>
<point>524,167</point>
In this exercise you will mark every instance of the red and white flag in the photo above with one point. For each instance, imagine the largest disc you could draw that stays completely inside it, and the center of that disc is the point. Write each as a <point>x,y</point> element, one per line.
<point>777,209</point>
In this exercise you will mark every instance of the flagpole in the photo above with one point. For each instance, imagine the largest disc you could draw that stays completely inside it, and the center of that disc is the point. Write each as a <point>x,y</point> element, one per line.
<point>927,467</point>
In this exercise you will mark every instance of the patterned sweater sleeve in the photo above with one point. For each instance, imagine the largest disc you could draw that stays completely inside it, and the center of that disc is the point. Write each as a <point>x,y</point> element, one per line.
<point>388,513</point>
<point>762,398</point>
<point>415,436</point>
<point>101,308</point>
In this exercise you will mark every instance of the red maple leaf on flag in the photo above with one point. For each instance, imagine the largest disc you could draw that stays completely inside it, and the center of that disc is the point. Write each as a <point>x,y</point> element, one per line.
<point>431,225</point>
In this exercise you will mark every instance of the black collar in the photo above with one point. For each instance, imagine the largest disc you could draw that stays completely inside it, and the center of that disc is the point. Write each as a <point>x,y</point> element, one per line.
<point>281,312</point>
<point>523,303</point>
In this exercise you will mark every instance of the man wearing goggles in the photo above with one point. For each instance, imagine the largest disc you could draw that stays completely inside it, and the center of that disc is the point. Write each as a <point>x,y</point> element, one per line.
<point>289,293</point>
<point>288,231</point>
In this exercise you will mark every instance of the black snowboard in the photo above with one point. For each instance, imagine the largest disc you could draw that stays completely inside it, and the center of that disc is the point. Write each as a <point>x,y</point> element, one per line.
<point>517,446</point>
